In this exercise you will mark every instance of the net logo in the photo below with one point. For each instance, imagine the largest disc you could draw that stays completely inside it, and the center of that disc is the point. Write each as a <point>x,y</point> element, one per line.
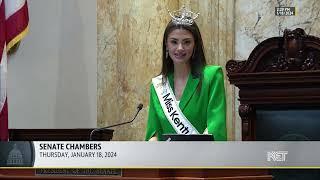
<point>285,11</point>
<point>278,156</point>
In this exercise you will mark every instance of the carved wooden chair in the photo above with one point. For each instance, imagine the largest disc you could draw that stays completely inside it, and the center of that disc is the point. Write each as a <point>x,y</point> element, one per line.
<point>279,80</point>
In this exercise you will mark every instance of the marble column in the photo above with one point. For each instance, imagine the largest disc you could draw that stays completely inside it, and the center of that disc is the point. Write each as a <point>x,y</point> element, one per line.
<point>129,36</point>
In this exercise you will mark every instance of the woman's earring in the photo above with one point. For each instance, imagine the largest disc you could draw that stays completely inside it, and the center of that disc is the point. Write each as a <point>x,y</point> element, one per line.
<point>167,54</point>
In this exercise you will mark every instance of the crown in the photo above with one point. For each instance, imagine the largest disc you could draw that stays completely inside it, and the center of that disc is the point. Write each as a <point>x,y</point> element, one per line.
<point>183,16</point>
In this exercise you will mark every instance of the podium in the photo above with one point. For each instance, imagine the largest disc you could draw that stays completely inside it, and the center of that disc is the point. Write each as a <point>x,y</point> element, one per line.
<point>83,134</point>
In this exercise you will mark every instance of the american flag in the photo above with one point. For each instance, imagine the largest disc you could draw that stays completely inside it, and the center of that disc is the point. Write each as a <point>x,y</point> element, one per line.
<point>14,23</point>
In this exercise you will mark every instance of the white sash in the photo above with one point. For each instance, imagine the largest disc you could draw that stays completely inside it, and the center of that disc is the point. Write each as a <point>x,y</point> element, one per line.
<point>170,108</point>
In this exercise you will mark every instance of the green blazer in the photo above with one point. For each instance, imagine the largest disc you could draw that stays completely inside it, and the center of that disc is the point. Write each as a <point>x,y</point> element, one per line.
<point>204,108</point>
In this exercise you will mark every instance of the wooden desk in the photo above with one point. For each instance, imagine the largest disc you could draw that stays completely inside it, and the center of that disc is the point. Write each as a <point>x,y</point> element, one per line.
<point>79,134</point>
<point>154,174</point>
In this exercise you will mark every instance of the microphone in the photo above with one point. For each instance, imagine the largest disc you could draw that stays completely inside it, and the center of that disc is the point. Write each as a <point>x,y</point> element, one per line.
<point>139,107</point>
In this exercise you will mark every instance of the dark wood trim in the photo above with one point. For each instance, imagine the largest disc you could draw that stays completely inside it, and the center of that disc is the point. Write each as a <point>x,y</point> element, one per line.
<point>58,135</point>
<point>160,174</point>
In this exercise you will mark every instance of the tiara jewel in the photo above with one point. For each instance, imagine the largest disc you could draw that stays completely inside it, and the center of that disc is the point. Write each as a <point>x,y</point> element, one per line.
<point>183,16</point>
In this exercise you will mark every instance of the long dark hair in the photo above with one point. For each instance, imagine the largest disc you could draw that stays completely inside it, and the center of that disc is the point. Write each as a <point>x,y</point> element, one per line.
<point>197,61</point>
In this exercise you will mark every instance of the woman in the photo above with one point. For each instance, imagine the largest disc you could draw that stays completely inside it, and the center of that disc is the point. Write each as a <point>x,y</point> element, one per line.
<point>187,97</point>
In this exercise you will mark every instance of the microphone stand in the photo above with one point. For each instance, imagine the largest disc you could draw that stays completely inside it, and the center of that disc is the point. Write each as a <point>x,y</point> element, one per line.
<point>103,128</point>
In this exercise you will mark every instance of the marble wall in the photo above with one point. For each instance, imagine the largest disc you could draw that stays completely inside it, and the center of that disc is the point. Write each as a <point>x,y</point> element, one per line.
<point>255,21</point>
<point>129,36</point>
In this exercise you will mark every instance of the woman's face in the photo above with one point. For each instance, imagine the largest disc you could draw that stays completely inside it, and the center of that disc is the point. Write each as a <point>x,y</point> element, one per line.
<point>180,44</point>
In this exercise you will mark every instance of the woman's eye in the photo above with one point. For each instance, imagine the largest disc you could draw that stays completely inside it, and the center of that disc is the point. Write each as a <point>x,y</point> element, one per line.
<point>173,42</point>
<point>187,42</point>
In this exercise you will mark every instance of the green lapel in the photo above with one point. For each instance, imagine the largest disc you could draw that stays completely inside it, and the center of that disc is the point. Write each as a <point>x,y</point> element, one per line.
<point>188,91</point>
